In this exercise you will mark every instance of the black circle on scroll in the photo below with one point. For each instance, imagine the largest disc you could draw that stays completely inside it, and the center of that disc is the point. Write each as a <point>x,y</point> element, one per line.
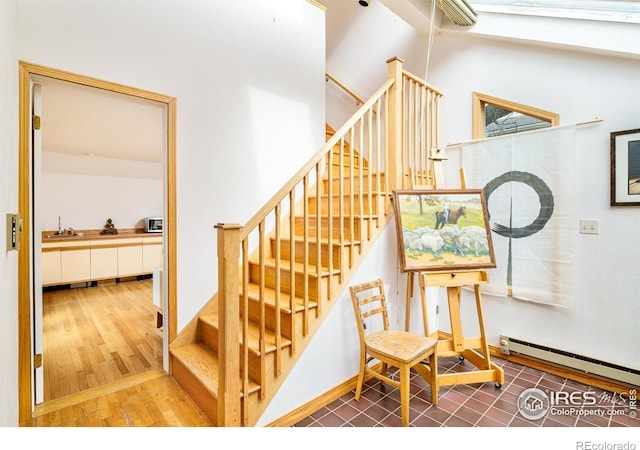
<point>544,194</point>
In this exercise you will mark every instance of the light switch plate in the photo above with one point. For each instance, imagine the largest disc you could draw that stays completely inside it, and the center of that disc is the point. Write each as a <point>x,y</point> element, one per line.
<point>14,227</point>
<point>589,226</point>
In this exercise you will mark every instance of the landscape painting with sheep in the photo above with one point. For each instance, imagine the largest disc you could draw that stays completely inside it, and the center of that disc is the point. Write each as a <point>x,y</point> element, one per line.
<point>443,230</point>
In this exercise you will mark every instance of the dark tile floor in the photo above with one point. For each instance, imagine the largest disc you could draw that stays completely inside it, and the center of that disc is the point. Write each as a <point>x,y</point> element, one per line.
<point>478,405</point>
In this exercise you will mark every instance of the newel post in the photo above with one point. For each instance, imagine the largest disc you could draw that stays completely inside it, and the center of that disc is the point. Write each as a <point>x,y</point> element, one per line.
<point>229,414</point>
<point>394,71</point>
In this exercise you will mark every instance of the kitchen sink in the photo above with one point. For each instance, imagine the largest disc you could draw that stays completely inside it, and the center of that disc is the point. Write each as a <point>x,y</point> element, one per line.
<point>63,235</point>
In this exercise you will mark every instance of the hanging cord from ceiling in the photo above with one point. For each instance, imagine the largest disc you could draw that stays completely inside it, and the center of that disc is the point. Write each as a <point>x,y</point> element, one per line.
<point>426,71</point>
<point>431,37</point>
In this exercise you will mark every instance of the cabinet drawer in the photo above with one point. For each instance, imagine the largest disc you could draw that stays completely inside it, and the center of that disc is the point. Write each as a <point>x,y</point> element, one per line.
<point>104,263</point>
<point>76,265</point>
<point>129,260</point>
<point>51,268</point>
<point>151,257</point>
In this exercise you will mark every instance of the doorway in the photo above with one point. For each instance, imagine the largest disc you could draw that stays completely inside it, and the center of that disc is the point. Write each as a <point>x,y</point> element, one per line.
<point>29,282</point>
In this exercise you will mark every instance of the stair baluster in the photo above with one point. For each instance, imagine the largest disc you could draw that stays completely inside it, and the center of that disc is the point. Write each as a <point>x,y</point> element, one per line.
<point>277,279</point>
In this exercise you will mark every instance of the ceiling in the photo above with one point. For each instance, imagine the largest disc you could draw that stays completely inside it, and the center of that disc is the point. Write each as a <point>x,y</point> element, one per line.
<point>418,12</point>
<point>82,120</point>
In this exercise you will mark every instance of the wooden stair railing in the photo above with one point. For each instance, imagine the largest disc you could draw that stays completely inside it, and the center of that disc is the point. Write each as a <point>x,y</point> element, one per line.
<point>280,274</point>
<point>341,85</point>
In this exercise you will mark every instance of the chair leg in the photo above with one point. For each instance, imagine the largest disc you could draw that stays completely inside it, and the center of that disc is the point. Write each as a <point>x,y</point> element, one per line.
<point>404,394</point>
<point>360,381</point>
<point>435,387</point>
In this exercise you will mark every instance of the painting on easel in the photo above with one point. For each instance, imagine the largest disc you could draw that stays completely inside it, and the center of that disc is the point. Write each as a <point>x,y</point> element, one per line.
<point>443,230</point>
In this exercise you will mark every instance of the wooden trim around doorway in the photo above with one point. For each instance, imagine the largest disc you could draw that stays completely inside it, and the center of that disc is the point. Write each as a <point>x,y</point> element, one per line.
<point>25,182</point>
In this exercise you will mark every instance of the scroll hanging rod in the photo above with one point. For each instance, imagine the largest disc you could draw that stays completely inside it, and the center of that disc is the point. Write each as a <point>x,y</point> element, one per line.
<point>578,124</point>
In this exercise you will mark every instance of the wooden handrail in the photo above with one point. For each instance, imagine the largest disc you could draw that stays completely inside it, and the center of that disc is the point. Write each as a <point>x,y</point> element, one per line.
<point>359,100</point>
<point>420,81</point>
<point>317,157</point>
<point>365,159</point>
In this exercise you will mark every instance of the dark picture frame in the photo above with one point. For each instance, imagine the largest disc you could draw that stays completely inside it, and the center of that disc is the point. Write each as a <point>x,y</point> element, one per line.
<point>428,242</point>
<point>625,168</point>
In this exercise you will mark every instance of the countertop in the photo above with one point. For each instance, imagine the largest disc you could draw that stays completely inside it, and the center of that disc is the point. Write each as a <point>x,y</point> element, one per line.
<point>91,235</point>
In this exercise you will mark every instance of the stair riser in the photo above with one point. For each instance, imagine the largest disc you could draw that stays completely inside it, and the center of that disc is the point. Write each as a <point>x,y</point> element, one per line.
<point>299,246</point>
<point>285,281</point>
<point>346,184</point>
<point>335,161</point>
<point>270,317</point>
<point>346,205</point>
<point>209,333</point>
<point>205,400</point>
<point>346,171</point>
<point>324,232</point>
<point>209,336</point>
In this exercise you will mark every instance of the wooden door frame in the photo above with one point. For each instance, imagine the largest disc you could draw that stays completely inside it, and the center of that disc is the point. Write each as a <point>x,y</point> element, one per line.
<point>25,183</point>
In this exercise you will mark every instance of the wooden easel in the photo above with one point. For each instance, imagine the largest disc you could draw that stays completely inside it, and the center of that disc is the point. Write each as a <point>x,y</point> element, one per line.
<point>475,350</point>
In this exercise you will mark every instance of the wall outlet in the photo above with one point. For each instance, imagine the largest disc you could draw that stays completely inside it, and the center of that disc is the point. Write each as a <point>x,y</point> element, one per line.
<point>589,226</point>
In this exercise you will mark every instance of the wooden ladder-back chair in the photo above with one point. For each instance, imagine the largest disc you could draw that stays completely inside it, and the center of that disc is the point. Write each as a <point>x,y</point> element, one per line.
<point>401,349</point>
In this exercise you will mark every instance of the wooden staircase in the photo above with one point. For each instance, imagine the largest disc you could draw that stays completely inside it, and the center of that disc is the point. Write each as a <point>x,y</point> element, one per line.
<point>280,274</point>
<point>195,364</point>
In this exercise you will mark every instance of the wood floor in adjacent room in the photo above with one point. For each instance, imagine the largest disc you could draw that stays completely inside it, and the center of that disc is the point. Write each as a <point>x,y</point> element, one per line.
<point>96,335</point>
<point>103,361</point>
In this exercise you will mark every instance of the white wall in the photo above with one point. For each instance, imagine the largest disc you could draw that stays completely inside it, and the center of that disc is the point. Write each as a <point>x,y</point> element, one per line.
<point>85,202</point>
<point>356,54</point>
<point>359,42</point>
<point>601,323</point>
<point>248,81</point>
<point>580,86</point>
<point>8,204</point>
<point>224,135</point>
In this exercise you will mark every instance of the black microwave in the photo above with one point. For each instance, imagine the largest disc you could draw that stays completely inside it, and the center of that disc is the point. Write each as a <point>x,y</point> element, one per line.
<point>153,224</point>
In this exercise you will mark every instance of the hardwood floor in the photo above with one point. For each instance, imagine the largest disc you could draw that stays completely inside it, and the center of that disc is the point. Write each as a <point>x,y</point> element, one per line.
<point>103,362</point>
<point>151,399</point>
<point>98,335</point>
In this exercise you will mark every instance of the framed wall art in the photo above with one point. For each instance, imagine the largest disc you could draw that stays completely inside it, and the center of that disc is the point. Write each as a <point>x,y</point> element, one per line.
<point>625,168</point>
<point>443,230</point>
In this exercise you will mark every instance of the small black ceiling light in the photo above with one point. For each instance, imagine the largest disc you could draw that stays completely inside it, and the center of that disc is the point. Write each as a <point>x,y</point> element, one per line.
<point>364,2</point>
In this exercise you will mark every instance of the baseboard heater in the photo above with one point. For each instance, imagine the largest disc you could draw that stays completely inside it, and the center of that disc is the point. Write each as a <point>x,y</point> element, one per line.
<point>509,345</point>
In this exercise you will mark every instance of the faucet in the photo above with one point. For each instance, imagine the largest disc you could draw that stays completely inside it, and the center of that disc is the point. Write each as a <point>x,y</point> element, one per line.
<point>59,227</point>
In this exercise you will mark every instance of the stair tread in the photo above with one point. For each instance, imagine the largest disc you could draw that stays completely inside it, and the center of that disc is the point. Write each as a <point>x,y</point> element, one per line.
<point>335,174</point>
<point>346,216</point>
<point>336,195</point>
<point>313,240</point>
<point>202,362</point>
<point>269,298</point>
<point>297,266</point>
<point>254,335</point>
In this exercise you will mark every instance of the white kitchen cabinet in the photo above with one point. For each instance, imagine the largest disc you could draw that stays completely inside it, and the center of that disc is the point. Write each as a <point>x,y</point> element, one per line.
<point>75,265</point>
<point>51,268</point>
<point>130,260</point>
<point>151,254</point>
<point>104,263</point>
<point>67,261</point>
